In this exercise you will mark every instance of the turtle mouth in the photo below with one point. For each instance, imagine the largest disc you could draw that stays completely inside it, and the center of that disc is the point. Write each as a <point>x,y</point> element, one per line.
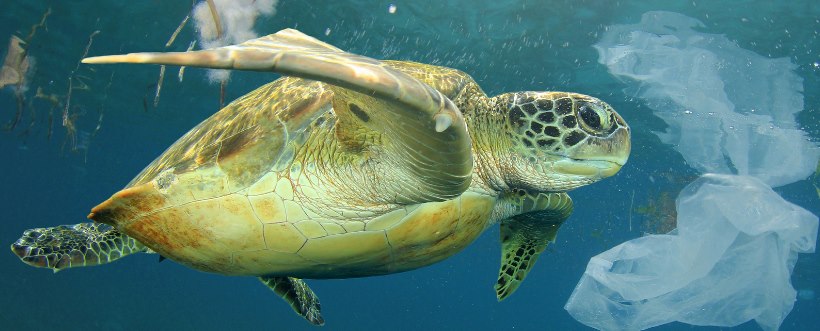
<point>587,167</point>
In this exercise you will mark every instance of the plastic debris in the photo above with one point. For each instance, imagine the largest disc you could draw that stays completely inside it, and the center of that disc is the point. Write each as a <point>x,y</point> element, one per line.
<point>15,64</point>
<point>729,110</point>
<point>227,22</point>
<point>730,261</point>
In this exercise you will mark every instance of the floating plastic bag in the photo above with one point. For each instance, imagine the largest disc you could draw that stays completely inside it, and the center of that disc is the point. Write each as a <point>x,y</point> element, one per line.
<point>729,262</point>
<point>729,110</point>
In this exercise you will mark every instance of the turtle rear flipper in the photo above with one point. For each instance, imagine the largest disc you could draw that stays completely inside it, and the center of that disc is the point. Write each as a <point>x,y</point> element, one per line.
<point>68,246</point>
<point>300,297</point>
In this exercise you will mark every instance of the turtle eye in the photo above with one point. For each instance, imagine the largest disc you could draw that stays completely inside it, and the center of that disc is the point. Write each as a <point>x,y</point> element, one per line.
<point>593,117</point>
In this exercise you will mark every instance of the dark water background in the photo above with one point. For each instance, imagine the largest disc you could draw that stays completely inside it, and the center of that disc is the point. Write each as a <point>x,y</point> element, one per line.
<point>505,45</point>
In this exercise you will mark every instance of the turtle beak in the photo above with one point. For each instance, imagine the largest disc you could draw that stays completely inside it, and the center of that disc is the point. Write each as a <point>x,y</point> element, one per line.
<point>597,169</point>
<point>609,169</point>
<point>599,156</point>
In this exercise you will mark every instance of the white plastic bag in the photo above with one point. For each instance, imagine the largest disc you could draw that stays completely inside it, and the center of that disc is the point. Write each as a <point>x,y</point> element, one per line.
<point>729,262</point>
<point>728,109</point>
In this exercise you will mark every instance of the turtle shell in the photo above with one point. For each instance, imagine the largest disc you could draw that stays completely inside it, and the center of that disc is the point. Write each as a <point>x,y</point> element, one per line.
<point>233,197</point>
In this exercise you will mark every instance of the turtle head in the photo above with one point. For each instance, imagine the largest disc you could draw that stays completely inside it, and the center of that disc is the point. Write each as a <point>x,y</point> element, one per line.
<point>560,141</point>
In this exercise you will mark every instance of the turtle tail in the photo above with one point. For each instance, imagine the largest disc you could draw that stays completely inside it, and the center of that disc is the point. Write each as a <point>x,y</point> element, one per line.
<point>68,246</point>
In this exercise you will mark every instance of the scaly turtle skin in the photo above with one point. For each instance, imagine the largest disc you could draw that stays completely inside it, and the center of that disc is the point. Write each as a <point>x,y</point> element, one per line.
<point>348,167</point>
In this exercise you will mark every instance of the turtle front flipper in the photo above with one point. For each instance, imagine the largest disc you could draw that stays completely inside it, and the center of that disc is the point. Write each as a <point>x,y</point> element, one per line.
<point>293,53</point>
<point>418,130</point>
<point>300,297</point>
<point>525,236</point>
<point>68,246</point>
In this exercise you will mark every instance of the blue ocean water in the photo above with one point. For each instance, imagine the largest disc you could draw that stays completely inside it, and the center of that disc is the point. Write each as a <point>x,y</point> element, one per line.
<point>51,175</point>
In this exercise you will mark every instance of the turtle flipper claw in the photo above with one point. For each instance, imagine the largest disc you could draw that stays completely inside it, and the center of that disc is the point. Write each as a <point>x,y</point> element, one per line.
<point>443,121</point>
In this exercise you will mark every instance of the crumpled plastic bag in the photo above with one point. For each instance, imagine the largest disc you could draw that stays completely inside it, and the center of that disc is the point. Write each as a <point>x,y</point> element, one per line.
<point>728,109</point>
<point>729,261</point>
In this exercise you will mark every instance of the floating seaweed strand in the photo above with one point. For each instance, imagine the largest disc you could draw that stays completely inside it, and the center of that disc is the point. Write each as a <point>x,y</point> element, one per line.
<point>159,84</point>
<point>32,114</point>
<point>102,104</point>
<point>215,16</point>
<point>20,45</point>
<point>182,68</point>
<point>162,67</point>
<point>176,32</point>
<point>41,24</point>
<point>68,120</point>
<point>218,24</point>
<point>174,37</point>
<point>55,103</point>
<point>13,72</point>
<point>100,119</point>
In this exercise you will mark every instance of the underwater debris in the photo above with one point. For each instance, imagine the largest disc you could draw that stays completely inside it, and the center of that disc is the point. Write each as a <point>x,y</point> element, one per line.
<point>70,125</point>
<point>182,68</point>
<point>660,213</point>
<point>728,109</point>
<point>93,134</point>
<point>40,111</point>
<point>145,96</point>
<point>41,24</point>
<point>718,269</point>
<point>15,65</point>
<point>55,103</point>
<point>104,99</point>
<point>222,93</point>
<point>224,22</point>
<point>68,118</point>
<point>176,32</point>
<point>159,84</point>
<point>162,67</point>
<point>219,23</point>
<point>215,17</point>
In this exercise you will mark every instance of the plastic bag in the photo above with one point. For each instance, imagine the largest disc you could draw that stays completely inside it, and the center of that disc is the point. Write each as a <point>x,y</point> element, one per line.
<point>728,109</point>
<point>729,262</point>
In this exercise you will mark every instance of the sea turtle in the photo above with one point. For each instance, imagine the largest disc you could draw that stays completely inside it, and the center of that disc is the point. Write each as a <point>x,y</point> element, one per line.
<point>347,167</point>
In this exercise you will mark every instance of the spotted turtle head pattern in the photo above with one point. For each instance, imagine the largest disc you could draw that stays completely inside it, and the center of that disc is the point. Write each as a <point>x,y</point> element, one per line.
<point>562,140</point>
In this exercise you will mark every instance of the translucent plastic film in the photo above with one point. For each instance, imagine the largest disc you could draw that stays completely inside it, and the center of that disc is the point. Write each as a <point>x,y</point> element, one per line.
<point>729,261</point>
<point>728,109</point>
